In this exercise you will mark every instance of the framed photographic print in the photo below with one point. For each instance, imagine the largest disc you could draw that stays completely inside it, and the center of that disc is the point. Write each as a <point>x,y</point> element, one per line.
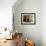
<point>28,18</point>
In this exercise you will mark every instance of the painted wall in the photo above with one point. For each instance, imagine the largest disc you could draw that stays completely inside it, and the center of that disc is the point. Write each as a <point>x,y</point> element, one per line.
<point>29,31</point>
<point>6,13</point>
<point>6,16</point>
<point>43,22</point>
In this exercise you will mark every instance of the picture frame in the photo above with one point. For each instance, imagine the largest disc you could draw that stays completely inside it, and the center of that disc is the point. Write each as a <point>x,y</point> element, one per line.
<point>28,18</point>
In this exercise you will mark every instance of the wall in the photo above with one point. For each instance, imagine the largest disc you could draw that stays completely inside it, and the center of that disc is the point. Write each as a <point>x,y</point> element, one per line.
<point>6,16</point>
<point>29,31</point>
<point>6,13</point>
<point>43,22</point>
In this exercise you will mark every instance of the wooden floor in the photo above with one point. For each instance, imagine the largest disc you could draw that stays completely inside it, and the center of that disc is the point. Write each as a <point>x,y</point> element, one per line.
<point>9,43</point>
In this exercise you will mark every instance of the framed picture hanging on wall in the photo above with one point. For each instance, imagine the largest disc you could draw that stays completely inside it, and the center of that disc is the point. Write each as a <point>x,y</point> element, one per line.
<point>28,18</point>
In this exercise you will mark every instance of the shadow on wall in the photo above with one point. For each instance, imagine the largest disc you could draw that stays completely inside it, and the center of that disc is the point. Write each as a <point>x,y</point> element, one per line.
<point>17,4</point>
<point>17,21</point>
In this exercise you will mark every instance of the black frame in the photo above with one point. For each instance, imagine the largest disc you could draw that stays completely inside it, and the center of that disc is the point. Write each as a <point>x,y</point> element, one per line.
<point>34,15</point>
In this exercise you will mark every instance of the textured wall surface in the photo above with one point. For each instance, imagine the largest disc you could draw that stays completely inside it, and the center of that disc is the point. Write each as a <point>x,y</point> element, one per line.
<point>29,31</point>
